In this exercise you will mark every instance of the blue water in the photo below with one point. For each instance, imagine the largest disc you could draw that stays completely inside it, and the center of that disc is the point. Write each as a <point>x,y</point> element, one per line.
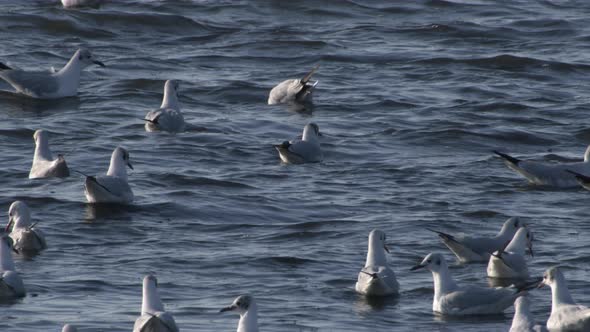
<point>412,98</point>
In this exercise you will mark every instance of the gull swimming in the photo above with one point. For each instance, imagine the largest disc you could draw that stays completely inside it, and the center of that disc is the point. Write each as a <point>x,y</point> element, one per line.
<point>153,316</point>
<point>454,300</point>
<point>168,117</point>
<point>44,166</point>
<point>376,278</point>
<point>478,249</point>
<point>246,307</point>
<point>566,315</point>
<point>293,91</point>
<point>112,188</point>
<point>556,175</point>
<point>305,150</point>
<point>69,328</point>
<point>510,261</point>
<point>523,320</point>
<point>25,236</point>
<point>11,284</point>
<point>48,85</point>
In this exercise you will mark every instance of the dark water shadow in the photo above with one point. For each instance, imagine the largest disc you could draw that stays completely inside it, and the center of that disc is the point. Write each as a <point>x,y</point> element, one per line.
<point>375,303</point>
<point>101,212</point>
<point>16,103</point>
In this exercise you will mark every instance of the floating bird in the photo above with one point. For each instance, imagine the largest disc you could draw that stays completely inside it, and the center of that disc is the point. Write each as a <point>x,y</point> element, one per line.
<point>44,166</point>
<point>478,249</point>
<point>25,236</point>
<point>454,300</point>
<point>523,321</point>
<point>69,328</point>
<point>48,85</point>
<point>510,262</point>
<point>11,284</point>
<point>153,317</point>
<point>376,278</point>
<point>556,175</point>
<point>246,307</point>
<point>112,188</point>
<point>305,150</point>
<point>168,117</point>
<point>293,91</point>
<point>566,315</point>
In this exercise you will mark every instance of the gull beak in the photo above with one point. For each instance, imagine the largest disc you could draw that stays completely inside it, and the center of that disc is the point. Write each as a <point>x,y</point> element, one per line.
<point>541,284</point>
<point>416,267</point>
<point>96,62</point>
<point>228,308</point>
<point>386,249</point>
<point>129,164</point>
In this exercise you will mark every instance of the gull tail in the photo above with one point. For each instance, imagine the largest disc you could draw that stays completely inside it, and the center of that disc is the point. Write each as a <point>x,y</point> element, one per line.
<point>90,178</point>
<point>444,236</point>
<point>154,121</point>
<point>508,158</point>
<point>373,275</point>
<point>528,285</point>
<point>307,77</point>
<point>4,67</point>
<point>583,179</point>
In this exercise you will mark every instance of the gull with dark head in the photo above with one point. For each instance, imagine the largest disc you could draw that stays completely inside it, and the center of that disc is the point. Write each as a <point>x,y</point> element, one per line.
<point>376,278</point>
<point>153,316</point>
<point>293,91</point>
<point>26,237</point>
<point>50,85</point>
<point>11,284</point>
<point>246,307</point>
<point>112,187</point>
<point>168,117</point>
<point>44,166</point>
<point>304,150</point>
<point>510,262</point>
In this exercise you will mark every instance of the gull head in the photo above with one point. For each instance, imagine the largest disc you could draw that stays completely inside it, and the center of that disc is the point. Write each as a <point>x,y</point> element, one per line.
<point>433,262</point>
<point>377,239</point>
<point>172,85</point>
<point>18,216</point>
<point>521,302</point>
<point>511,226</point>
<point>241,304</point>
<point>40,136</point>
<point>552,276</point>
<point>150,281</point>
<point>86,58</point>
<point>69,328</point>
<point>122,155</point>
<point>315,128</point>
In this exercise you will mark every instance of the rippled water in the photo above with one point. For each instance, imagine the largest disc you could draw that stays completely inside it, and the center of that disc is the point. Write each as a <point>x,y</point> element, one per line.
<point>412,99</point>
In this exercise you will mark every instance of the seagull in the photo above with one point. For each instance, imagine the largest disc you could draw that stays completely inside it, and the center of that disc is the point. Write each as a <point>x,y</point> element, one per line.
<point>69,328</point>
<point>246,306</point>
<point>44,166</point>
<point>112,188</point>
<point>478,249</point>
<point>376,278</point>
<point>566,315</point>
<point>523,321</point>
<point>556,175</point>
<point>153,317</point>
<point>25,236</point>
<point>168,117</point>
<point>510,261</point>
<point>305,150</point>
<point>48,85</point>
<point>11,284</point>
<point>451,299</point>
<point>293,91</point>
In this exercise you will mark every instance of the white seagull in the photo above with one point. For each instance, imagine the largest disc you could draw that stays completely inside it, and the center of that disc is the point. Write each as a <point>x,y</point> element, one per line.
<point>11,284</point>
<point>566,315</point>
<point>69,328</point>
<point>293,91</point>
<point>25,236</point>
<point>478,249</point>
<point>305,150</point>
<point>44,166</point>
<point>246,307</point>
<point>48,85</point>
<point>451,299</point>
<point>523,320</point>
<point>556,175</point>
<point>168,117</point>
<point>510,262</point>
<point>153,316</point>
<point>376,278</point>
<point>112,188</point>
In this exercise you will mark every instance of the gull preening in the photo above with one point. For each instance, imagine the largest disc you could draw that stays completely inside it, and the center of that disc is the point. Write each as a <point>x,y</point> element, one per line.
<point>11,284</point>
<point>510,262</point>
<point>246,307</point>
<point>376,278</point>
<point>293,91</point>
<point>454,300</point>
<point>112,187</point>
<point>566,315</point>
<point>25,236</point>
<point>69,328</point>
<point>304,150</point>
<point>523,320</point>
<point>44,166</point>
<point>153,316</point>
<point>476,248</point>
<point>46,84</point>
<point>168,117</point>
<point>556,175</point>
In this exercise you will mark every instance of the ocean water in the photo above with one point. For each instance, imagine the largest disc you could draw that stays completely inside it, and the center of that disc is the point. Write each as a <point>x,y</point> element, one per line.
<point>412,98</point>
